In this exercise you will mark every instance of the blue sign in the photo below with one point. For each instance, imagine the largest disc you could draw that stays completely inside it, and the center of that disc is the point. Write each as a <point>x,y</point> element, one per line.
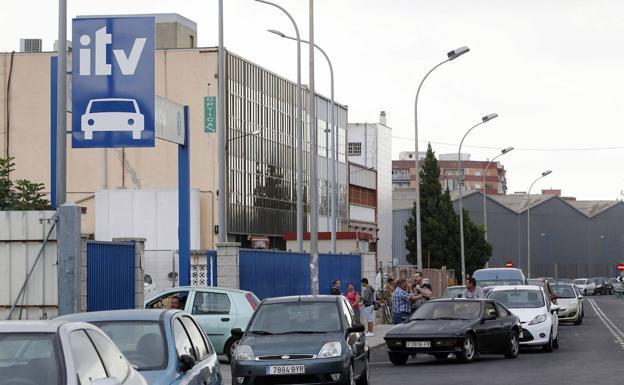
<point>113,82</point>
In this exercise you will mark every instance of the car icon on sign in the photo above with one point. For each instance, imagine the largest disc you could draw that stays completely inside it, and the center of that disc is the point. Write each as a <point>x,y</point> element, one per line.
<point>113,114</point>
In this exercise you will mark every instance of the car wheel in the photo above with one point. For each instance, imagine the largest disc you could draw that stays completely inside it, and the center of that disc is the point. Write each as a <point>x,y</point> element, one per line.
<point>350,380</point>
<point>579,320</point>
<point>440,356</point>
<point>548,348</point>
<point>556,342</point>
<point>230,346</point>
<point>398,359</point>
<point>364,377</point>
<point>513,345</point>
<point>469,350</point>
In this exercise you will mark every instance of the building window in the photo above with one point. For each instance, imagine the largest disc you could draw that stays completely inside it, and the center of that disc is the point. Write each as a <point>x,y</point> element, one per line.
<point>477,173</point>
<point>355,148</point>
<point>478,186</point>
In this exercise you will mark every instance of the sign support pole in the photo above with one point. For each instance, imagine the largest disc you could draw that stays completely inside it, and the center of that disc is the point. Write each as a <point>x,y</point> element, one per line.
<point>184,206</point>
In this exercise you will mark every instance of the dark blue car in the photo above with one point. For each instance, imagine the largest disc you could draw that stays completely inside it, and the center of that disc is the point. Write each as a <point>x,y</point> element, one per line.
<point>166,346</point>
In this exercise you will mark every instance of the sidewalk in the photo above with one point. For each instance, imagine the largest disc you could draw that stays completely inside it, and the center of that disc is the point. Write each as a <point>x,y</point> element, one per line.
<point>378,339</point>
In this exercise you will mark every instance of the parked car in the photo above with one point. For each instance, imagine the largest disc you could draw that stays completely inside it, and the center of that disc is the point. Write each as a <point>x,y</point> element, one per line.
<point>617,285</point>
<point>603,286</point>
<point>61,353</point>
<point>586,286</point>
<point>454,292</point>
<point>564,280</point>
<point>581,301</point>
<point>540,323</point>
<point>167,346</point>
<point>499,277</point>
<point>217,310</point>
<point>569,302</point>
<point>302,340</point>
<point>546,284</point>
<point>464,327</point>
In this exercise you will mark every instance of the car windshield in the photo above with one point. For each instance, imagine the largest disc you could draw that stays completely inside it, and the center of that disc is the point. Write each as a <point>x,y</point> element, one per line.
<point>564,291</point>
<point>518,299</point>
<point>142,342</point>
<point>580,281</point>
<point>112,106</point>
<point>448,310</point>
<point>29,358</point>
<point>296,317</point>
<point>500,282</point>
<point>454,292</point>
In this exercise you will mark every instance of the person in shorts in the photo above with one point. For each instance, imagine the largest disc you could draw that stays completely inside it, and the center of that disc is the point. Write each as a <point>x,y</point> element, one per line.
<point>368,300</point>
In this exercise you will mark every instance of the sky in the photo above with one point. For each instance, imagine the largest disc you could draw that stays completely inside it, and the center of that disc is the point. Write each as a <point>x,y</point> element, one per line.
<point>551,69</point>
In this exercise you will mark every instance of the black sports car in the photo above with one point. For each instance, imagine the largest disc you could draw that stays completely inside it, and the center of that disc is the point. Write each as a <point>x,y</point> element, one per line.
<point>465,327</point>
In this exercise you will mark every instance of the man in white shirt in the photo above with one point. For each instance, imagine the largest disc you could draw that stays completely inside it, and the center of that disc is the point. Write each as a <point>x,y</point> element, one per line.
<point>472,290</point>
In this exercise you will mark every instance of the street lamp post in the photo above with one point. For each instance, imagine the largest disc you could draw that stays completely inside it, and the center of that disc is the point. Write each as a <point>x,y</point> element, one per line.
<point>450,56</point>
<point>484,119</point>
<point>503,152</point>
<point>334,141</point>
<point>298,131</point>
<point>545,173</point>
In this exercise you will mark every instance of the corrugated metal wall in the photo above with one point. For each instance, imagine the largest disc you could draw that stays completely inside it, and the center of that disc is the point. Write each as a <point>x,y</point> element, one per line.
<point>21,236</point>
<point>345,267</point>
<point>399,220</point>
<point>111,275</point>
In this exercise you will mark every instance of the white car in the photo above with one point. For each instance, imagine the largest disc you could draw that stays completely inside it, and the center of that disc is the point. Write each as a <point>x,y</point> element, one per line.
<point>585,285</point>
<point>61,353</point>
<point>570,305</point>
<point>540,323</point>
<point>110,115</point>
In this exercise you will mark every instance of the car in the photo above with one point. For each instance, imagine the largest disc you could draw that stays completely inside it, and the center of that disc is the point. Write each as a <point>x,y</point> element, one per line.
<point>58,352</point>
<point>464,327</point>
<point>454,292</point>
<point>111,115</point>
<point>166,346</point>
<point>564,280</point>
<point>217,310</point>
<point>569,302</point>
<point>302,340</point>
<point>499,277</point>
<point>581,300</point>
<point>603,286</point>
<point>617,285</point>
<point>546,284</point>
<point>586,286</point>
<point>540,323</point>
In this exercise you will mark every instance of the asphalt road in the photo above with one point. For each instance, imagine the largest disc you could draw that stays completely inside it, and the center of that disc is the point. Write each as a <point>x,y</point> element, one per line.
<point>589,354</point>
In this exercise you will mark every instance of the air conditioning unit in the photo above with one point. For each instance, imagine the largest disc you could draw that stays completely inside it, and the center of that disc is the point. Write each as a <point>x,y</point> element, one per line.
<point>30,45</point>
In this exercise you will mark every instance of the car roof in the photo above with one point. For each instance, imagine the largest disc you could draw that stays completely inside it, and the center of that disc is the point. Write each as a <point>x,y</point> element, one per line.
<point>113,100</point>
<point>456,287</point>
<point>517,287</point>
<point>302,298</point>
<point>44,326</point>
<point>199,288</point>
<point>498,269</point>
<point>459,300</point>
<point>122,315</point>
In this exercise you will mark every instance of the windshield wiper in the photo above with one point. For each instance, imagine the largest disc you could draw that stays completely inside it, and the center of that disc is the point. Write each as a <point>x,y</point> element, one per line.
<point>302,332</point>
<point>261,332</point>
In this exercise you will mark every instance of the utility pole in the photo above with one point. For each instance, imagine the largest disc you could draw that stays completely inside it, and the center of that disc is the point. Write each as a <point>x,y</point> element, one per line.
<point>61,115</point>
<point>221,132</point>
<point>313,165</point>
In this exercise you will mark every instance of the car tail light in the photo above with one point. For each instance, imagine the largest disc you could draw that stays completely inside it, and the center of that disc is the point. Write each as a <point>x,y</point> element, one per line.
<point>252,301</point>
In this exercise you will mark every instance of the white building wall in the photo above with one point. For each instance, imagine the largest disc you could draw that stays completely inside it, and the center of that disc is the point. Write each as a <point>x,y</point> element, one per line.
<point>384,193</point>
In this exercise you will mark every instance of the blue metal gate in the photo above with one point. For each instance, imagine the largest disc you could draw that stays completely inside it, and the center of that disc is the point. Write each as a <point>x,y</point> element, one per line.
<point>345,267</point>
<point>110,275</point>
<point>273,273</point>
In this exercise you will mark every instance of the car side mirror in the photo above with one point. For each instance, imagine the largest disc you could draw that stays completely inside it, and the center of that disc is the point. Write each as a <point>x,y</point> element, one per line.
<point>580,297</point>
<point>359,328</point>
<point>237,332</point>
<point>186,363</point>
<point>554,308</point>
<point>106,381</point>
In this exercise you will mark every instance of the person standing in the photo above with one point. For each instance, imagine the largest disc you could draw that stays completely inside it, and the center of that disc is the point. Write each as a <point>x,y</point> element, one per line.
<point>401,302</point>
<point>421,289</point>
<point>354,299</point>
<point>335,290</point>
<point>368,300</point>
<point>472,290</point>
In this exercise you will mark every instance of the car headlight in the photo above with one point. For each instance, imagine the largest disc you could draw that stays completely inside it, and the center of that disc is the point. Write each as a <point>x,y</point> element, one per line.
<point>330,350</point>
<point>244,353</point>
<point>538,320</point>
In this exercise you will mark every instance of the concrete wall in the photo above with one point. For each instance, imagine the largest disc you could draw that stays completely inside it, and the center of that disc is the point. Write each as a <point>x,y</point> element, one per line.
<point>345,246</point>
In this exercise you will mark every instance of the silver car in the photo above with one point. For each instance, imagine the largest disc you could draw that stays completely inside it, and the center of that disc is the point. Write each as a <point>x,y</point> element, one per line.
<point>61,353</point>
<point>585,285</point>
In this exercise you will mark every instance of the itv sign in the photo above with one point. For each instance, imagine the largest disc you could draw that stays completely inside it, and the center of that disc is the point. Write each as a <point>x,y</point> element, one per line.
<point>113,82</point>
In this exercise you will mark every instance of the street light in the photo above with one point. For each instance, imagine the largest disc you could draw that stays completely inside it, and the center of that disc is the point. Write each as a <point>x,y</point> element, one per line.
<point>503,152</point>
<point>334,142</point>
<point>452,55</point>
<point>484,120</point>
<point>545,173</point>
<point>298,131</point>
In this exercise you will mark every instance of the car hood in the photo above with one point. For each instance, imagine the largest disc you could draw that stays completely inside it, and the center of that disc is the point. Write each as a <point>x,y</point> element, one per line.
<point>527,315</point>
<point>430,328</point>
<point>567,302</point>
<point>289,343</point>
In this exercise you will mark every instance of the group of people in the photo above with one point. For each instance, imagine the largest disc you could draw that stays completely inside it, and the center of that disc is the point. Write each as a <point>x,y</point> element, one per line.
<point>365,301</point>
<point>409,296</point>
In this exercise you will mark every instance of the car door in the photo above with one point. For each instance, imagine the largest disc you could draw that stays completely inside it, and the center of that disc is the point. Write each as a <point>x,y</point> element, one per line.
<point>215,312</point>
<point>490,328</point>
<point>554,315</point>
<point>206,366</point>
<point>184,347</point>
<point>355,340</point>
<point>86,359</point>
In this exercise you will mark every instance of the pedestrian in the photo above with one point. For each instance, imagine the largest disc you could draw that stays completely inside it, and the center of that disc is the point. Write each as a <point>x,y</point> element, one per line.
<point>421,289</point>
<point>472,290</point>
<point>354,299</point>
<point>401,302</point>
<point>335,289</point>
<point>368,300</point>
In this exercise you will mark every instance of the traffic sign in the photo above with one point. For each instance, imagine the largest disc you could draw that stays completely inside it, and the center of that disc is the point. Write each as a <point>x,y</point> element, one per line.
<point>620,266</point>
<point>113,82</point>
<point>169,121</point>
<point>620,278</point>
<point>509,264</point>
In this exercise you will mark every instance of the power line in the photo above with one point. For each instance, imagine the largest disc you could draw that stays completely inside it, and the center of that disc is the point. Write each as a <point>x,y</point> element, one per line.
<point>561,149</point>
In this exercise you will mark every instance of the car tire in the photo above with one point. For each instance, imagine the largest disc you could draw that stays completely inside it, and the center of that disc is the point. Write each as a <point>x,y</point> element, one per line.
<point>556,342</point>
<point>548,348</point>
<point>579,320</point>
<point>364,378</point>
<point>440,356</point>
<point>230,346</point>
<point>513,345</point>
<point>398,359</point>
<point>469,351</point>
<point>349,378</point>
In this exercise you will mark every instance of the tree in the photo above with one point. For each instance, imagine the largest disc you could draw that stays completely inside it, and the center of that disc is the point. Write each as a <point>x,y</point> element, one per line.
<point>476,249</point>
<point>21,195</point>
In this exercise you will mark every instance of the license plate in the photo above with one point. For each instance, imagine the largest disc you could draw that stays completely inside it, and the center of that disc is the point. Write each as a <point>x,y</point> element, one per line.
<point>418,344</point>
<point>284,370</point>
